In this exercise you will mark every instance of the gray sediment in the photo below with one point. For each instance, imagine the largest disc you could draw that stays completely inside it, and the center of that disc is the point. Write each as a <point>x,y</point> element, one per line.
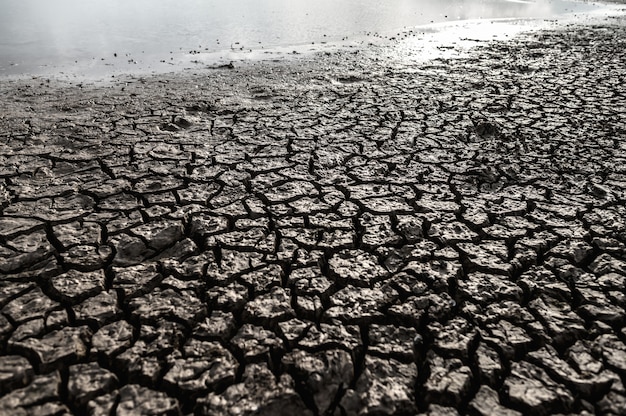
<point>350,234</point>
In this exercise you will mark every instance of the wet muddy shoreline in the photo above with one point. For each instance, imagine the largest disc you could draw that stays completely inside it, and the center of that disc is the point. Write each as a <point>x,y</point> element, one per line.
<point>348,234</point>
<point>162,36</point>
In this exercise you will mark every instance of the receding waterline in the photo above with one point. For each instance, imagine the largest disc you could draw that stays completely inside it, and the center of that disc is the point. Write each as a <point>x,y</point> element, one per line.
<point>40,36</point>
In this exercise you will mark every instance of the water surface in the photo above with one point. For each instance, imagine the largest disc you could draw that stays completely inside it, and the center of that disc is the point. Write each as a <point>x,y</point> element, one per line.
<point>40,36</point>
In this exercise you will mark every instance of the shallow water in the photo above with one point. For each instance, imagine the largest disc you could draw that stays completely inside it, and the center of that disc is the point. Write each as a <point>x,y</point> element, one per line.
<point>39,36</point>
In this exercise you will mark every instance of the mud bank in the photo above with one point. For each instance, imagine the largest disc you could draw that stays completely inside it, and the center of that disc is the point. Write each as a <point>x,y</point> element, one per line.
<point>350,234</point>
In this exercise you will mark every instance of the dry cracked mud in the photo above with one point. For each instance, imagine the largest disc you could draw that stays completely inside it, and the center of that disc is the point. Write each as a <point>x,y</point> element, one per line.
<point>345,236</point>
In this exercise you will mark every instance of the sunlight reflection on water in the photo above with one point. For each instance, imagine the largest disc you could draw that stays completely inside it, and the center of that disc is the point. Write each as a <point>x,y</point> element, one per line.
<point>37,34</point>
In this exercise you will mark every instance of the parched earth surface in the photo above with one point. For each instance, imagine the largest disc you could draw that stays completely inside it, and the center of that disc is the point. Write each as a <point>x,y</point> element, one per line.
<point>352,234</point>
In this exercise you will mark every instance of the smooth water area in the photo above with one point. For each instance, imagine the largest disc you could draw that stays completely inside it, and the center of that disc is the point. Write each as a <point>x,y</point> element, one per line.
<point>42,36</point>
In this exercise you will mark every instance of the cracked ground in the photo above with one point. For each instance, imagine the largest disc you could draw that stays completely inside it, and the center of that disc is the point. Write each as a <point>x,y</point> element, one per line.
<point>339,236</point>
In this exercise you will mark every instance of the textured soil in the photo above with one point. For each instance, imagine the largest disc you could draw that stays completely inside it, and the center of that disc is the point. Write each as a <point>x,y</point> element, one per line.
<point>351,234</point>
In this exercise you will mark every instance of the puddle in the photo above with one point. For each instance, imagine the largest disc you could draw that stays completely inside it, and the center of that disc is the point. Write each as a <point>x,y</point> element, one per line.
<point>96,37</point>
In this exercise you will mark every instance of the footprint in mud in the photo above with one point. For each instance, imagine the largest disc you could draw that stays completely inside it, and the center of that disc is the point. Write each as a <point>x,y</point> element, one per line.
<point>347,79</point>
<point>177,124</point>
